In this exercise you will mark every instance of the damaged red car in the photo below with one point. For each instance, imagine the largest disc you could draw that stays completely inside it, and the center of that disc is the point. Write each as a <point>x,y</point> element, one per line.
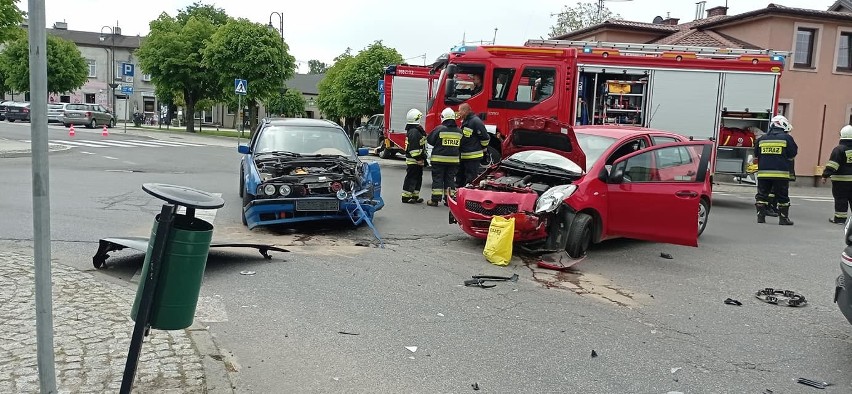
<point>568,187</point>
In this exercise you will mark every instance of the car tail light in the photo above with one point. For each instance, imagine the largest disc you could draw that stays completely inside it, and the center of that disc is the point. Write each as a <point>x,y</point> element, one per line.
<point>88,114</point>
<point>336,186</point>
<point>26,110</point>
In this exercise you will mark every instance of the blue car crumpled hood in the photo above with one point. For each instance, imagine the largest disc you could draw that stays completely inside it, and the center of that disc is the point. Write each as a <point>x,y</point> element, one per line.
<point>362,185</point>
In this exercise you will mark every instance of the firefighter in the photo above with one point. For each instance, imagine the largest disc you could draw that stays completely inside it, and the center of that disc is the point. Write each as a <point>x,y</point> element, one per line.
<point>473,143</point>
<point>415,156</point>
<point>774,153</point>
<point>839,169</point>
<point>445,139</point>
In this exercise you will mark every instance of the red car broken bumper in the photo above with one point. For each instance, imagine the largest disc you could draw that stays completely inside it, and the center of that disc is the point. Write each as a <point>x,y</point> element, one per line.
<point>473,209</point>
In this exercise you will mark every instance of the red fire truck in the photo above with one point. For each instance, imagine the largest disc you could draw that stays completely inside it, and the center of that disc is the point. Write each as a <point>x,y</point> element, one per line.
<point>405,87</point>
<point>699,92</point>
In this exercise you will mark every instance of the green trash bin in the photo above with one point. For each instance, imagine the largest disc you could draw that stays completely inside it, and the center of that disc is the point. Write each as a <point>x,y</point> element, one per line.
<point>181,272</point>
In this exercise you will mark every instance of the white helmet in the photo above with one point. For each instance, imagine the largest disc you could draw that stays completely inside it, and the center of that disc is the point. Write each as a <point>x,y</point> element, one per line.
<point>448,114</point>
<point>781,122</point>
<point>413,117</point>
<point>846,132</point>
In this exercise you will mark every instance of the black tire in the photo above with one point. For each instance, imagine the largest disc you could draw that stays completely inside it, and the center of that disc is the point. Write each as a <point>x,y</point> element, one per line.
<point>11,120</point>
<point>67,125</point>
<point>703,213</point>
<point>93,124</point>
<point>111,123</point>
<point>580,237</point>
<point>247,198</point>
<point>386,153</point>
<point>242,183</point>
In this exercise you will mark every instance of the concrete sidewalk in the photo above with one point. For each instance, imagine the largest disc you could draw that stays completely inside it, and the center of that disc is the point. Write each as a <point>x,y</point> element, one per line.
<point>92,329</point>
<point>13,148</point>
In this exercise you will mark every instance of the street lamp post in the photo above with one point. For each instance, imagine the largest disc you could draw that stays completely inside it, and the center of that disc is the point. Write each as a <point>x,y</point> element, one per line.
<point>281,30</point>
<point>110,74</point>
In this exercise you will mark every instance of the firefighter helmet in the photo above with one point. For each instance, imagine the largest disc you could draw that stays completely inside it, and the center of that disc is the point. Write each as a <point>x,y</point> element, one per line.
<point>781,122</point>
<point>846,132</point>
<point>413,117</point>
<point>448,114</point>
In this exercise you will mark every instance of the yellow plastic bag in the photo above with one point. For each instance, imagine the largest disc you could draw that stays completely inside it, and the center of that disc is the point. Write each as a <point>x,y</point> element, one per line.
<point>498,245</point>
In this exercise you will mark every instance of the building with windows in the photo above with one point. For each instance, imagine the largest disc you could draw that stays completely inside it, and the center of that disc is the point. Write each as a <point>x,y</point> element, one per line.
<point>307,84</point>
<point>115,80</point>
<point>815,85</point>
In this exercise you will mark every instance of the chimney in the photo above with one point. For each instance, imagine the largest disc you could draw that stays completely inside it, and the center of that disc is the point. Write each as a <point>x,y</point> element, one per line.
<point>60,26</point>
<point>670,21</point>
<point>717,11</point>
<point>116,30</point>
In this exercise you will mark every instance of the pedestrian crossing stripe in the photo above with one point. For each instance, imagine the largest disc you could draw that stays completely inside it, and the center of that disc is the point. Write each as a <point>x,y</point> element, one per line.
<point>121,143</point>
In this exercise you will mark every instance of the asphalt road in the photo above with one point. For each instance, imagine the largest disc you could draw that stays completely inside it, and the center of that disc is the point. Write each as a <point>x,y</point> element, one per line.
<point>656,324</point>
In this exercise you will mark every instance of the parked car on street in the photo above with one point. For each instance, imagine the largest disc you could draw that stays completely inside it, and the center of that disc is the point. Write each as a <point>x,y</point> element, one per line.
<point>3,105</point>
<point>18,111</point>
<point>89,115</point>
<point>371,134</point>
<point>570,187</point>
<point>55,112</point>
<point>842,295</point>
<point>300,170</point>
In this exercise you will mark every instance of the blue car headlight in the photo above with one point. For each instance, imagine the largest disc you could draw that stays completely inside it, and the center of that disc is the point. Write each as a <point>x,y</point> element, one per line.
<point>549,200</point>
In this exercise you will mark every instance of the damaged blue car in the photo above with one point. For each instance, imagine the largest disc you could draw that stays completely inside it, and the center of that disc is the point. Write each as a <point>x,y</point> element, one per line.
<point>301,170</point>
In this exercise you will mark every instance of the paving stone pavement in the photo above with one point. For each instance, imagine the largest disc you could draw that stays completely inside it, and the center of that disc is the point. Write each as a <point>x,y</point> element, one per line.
<point>92,329</point>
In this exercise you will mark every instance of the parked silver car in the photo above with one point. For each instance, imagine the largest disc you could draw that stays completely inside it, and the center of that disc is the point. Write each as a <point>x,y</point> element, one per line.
<point>89,115</point>
<point>55,111</point>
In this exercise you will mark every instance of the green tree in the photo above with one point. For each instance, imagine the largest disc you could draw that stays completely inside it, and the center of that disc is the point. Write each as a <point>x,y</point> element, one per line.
<point>290,104</point>
<point>581,16</point>
<point>359,95</point>
<point>317,67</point>
<point>172,55</point>
<point>329,99</point>
<point>67,70</point>
<point>251,51</point>
<point>210,13</point>
<point>10,20</point>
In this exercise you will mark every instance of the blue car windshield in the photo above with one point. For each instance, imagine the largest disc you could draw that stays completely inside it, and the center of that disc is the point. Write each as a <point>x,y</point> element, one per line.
<point>304,140</point>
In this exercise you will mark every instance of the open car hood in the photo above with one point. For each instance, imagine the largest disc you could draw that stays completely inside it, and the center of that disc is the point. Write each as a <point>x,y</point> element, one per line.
<point>542,133</point>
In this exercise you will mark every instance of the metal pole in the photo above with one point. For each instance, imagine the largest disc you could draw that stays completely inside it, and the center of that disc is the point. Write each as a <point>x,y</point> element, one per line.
<point>240,112</point>
<point>158,250</point>
<point>41,197</point>
<point>821,136</point>
<point>126,104</point>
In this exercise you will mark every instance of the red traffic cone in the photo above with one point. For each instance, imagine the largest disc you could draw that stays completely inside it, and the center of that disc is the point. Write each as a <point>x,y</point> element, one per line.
<point>71,130</point>
<point>105,132</point>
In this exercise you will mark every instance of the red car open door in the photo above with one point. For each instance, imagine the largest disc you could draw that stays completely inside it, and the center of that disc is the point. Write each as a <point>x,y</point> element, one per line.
<point>654,193</point>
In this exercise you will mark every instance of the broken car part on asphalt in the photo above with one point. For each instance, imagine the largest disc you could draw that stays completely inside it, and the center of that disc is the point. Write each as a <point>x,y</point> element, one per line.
<point>781,297</point>
<point>813,383</point>
<point>479,280</point>
<point>731,301</point>
<point>107,245</point>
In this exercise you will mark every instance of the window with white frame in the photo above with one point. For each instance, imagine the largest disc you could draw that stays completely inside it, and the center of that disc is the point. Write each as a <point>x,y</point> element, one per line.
<point>784,109</point>
<point>805,53</point>
<point>93,68</point>
<point>844,52</point>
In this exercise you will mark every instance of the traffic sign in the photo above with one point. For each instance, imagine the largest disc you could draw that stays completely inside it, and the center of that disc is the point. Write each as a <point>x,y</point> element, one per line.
<point>381,86</point>
<point>125,89</point>
<point>127,69</point>
<point>240,86</point>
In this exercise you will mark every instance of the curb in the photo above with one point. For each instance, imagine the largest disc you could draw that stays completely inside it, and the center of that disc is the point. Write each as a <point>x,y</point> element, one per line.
<point>54,148</point>
<point>218,366</point>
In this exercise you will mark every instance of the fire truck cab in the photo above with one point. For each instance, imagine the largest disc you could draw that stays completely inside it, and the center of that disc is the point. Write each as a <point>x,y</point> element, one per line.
<point>727,95</point>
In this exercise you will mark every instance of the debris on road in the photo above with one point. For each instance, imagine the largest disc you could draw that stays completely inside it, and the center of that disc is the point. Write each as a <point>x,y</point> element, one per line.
<point>347,333</point>
<point>731,301</point>
<point>411,348</point>
<point>475,386</point>
<point>247,272</point>
<point>479,280</point>
<point>440,315</point>
<point>363,244</point>
<point>559,261</point>
<point>594,353</point>
<point>813,383</point>
<point>676,369</point>
<point>666,256</point>
<point>781,297</point>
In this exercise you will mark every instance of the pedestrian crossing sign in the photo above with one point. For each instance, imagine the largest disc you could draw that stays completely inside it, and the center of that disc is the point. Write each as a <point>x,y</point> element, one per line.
<point>240,86</point>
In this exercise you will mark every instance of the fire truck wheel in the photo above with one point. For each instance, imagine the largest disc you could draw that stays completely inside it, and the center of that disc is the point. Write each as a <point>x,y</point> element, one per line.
<point>386,153</point>
<point>703,215</point>
<point>580,237</point>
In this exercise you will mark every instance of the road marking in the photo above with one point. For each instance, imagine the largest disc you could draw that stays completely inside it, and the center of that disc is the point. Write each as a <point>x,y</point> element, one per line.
<point>87,153</point>
<point>166,143</point>
<point>139,143</point>
<point>110,157</point>
<point>88,144</point>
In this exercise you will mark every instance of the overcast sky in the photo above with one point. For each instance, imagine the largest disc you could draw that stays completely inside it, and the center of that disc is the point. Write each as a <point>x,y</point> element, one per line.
<point>322,29</point>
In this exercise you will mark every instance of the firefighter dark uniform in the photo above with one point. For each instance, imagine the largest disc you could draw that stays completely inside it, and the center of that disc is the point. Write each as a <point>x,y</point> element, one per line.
<point>774,153</point>
<point>445,139</point>
<point>839,169</point>
<point>474,140</point>
<point>415,157</point>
